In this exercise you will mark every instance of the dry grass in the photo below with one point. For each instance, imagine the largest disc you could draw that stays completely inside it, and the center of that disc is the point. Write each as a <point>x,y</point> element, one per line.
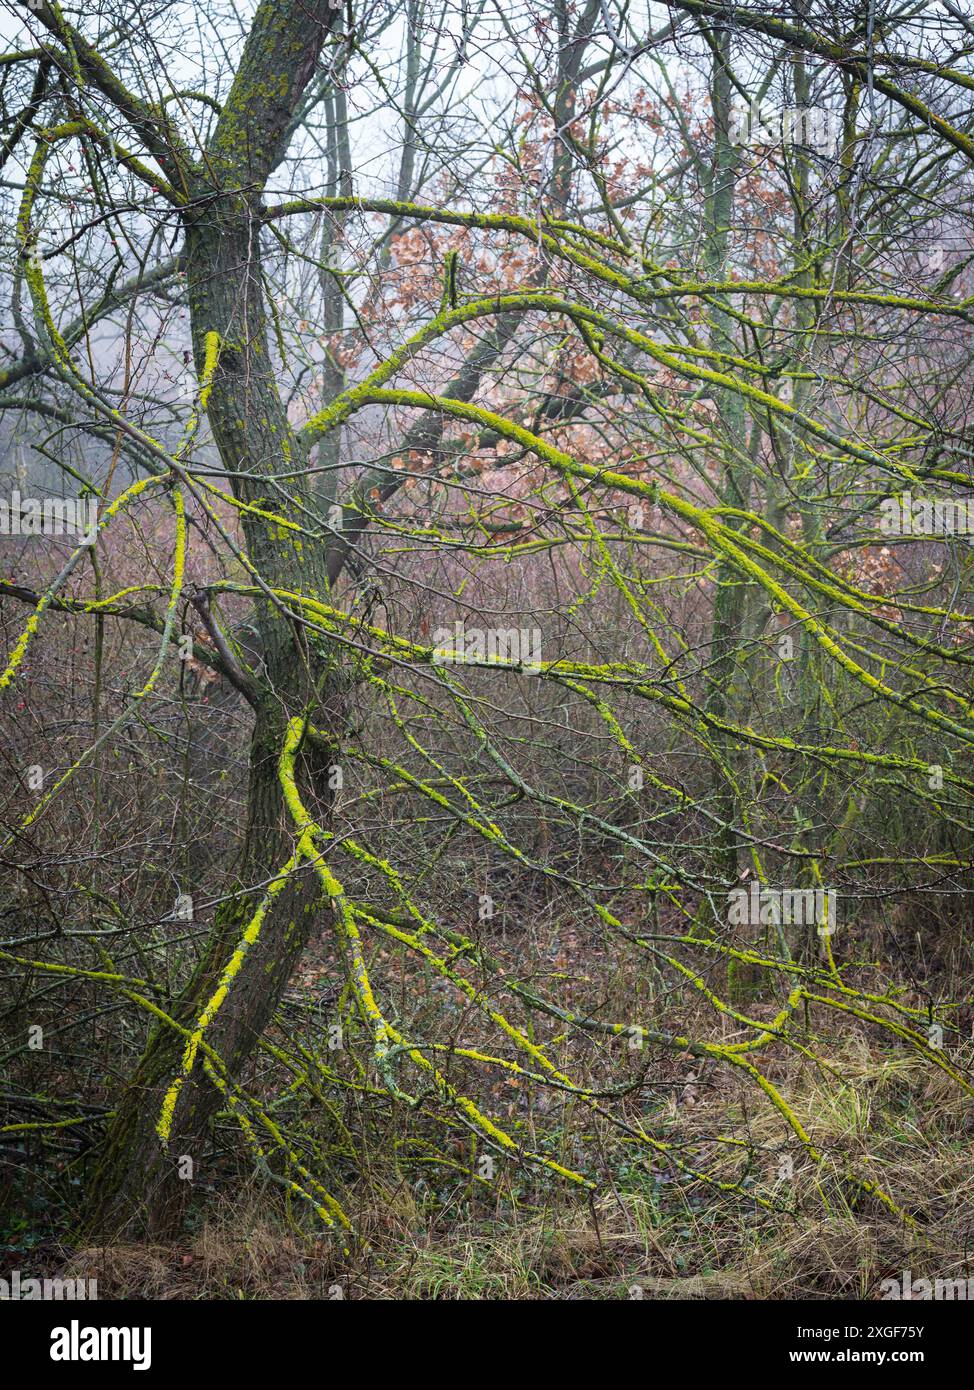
<point>888,1118</point>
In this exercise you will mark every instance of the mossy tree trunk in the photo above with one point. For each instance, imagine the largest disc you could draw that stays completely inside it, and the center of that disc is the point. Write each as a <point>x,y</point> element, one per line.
<point>137,1188</point>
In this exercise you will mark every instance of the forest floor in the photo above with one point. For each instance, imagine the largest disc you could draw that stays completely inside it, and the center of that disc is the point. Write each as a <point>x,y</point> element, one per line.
<point>647,1234</point>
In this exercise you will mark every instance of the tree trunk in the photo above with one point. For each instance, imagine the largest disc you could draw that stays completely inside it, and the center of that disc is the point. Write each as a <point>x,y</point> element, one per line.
<point>137,1189</point>
<point>140,1187</point>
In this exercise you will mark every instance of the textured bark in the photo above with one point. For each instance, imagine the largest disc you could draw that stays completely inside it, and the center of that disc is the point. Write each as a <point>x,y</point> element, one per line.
<point>136,1189</point>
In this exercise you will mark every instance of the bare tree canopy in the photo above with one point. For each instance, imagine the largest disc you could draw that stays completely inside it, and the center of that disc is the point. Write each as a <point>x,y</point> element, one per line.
<point>486,514</point>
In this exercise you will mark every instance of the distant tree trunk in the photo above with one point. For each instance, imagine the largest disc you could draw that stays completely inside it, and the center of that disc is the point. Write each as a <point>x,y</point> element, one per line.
<point>730,602</point>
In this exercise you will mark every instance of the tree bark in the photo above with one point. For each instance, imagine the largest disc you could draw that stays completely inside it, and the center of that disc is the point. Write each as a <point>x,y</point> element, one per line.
<point>137,1189</point>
